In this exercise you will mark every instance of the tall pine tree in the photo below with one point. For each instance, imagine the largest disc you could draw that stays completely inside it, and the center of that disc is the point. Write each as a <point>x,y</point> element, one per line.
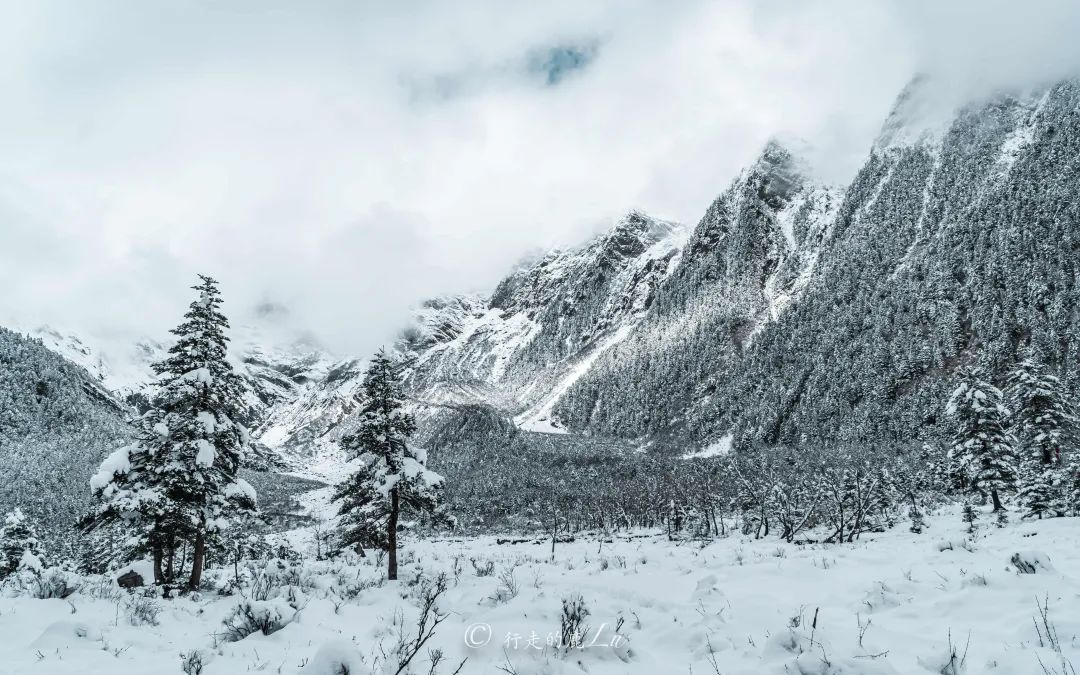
<point>982,445</point>
<point>1044,423</point>
<point>392,475</point>
<point>179,481</point>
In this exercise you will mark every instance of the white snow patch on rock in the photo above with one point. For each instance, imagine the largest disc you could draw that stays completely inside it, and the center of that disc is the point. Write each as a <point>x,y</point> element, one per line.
<point>719,448</point>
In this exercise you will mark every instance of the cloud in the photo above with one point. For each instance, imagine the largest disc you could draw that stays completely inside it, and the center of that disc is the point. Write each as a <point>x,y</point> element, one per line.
<point>347,159</point>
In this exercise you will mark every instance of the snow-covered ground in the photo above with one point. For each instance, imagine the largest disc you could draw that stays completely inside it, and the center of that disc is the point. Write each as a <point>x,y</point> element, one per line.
<point>890,603</point>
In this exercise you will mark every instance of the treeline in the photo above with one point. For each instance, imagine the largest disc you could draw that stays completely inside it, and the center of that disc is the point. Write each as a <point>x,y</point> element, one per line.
<point>1014,448</point>
<point>761,490</point>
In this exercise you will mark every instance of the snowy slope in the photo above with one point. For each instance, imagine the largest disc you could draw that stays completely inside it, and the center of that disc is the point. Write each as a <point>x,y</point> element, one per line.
<point>517,350</point>
<point>894,603</point>
<point>750,257</point>
<point>275,362</point>
<point>548,322</point>
<point>122,366</point>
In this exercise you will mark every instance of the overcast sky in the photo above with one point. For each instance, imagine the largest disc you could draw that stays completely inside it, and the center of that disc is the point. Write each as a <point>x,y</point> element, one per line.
<point>347,159</point>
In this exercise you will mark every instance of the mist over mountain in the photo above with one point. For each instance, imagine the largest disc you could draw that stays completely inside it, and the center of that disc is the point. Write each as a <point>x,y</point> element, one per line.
<point>794,312</point>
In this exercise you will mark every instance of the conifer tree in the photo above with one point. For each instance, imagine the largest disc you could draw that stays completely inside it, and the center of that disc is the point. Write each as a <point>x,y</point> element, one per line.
<point>17,536</point>
<point>178,481</point>
<point>131,496</point>
<point>392,475</point>
<point>982,445</point>
<point>1044,423</point>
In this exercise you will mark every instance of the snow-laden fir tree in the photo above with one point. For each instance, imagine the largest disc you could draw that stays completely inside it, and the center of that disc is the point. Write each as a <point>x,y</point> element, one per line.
<point>178,482</point>
<point>17,536</point>
<point>392,474</point>
<point>132,498</point>
<point>1044,423</point>
<point>982,447</point>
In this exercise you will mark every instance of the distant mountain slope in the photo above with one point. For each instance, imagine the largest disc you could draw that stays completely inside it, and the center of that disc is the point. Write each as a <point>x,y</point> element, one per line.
<point>956,243</point>
<point>56,424</point>
<point>751,255</point>
<point>516,351</point>
<point>275,363</point>
<point>547,322</point>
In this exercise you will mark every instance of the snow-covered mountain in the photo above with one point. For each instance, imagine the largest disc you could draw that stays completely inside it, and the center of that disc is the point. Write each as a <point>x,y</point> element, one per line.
<point>276,364</point>
<point>955,244</point>
<point>548,321</point>
<point>753,253</point>
<point>516,350</point>
<point>794,309</point>
<point>122,367</point>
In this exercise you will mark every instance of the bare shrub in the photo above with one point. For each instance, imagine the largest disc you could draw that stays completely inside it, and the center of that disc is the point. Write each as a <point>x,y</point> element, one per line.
<point>508,586</point>
<point>484,569</point>
<point>192,662</point>
<point>142,611</point>
<point>1048,637</point>
<point>256,616</point>
<point>410,642</point>
<point>572,628</point>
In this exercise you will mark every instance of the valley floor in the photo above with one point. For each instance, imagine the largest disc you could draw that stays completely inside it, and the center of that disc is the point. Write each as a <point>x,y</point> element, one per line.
<point>894,602</point>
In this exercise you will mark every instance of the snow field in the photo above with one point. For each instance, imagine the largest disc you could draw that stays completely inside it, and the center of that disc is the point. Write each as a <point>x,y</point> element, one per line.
<point>894,602</point>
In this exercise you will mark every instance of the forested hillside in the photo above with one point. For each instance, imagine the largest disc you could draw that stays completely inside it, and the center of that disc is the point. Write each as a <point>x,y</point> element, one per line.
<point>56,424</point>
<point>956,246</point>
<point>747,260</point>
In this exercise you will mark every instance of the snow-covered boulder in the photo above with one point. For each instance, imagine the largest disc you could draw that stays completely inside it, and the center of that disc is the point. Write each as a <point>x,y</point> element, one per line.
<point>137,574</point>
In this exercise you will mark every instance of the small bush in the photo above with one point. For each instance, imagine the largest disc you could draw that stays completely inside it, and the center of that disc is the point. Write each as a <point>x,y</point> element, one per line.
<point>192,662</point>
<point>572,628</point>
<point>485,569</point>
<point>508,586</point>
<point>256,616</point>
<point>102,588</point>
<point>142,611</point>
<point>971,518</point>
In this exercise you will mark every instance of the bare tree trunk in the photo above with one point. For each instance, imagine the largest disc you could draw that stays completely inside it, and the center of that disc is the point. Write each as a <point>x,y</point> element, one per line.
<point>391,536</point>
<point>168,554</point>
<point>183,560</point>
<point>997,500</point>
<point>197,558</point>
<point>554,528</point>
<point>159,576</point>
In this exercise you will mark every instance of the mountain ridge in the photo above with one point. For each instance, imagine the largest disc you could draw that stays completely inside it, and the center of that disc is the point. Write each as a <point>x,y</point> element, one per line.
<point>794,311</point>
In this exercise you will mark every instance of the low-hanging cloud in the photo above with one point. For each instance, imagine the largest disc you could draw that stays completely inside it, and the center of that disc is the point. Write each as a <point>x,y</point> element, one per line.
<point>349,159</point>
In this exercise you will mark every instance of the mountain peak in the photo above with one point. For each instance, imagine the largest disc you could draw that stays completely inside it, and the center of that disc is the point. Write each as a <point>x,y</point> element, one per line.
<point>781,171</point>
<point>640,222</point>
<point>632,235</point>
<point>918,117</point>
